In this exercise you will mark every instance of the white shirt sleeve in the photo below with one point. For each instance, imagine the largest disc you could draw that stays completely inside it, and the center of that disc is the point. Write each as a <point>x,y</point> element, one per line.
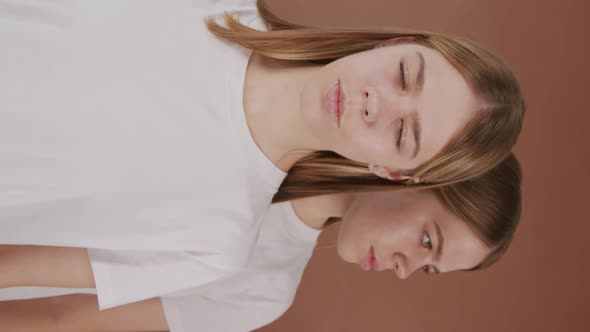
<point>258,294</point>
<point>124,277</point>
<point>240,312</point>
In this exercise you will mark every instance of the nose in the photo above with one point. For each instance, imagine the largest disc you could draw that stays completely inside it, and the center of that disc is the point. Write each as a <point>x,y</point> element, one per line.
<point>404,265</point>
<point>370,106</point>
<point>377,104</point>
<point>400,265</point>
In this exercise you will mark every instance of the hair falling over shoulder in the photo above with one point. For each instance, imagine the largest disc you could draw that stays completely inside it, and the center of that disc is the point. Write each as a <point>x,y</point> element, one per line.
<point>484,142</point>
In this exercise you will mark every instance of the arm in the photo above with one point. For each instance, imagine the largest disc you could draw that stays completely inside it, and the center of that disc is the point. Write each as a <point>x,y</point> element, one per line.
<point>154,274</point>
<point>65,267</point>
<point>22,265</point>
<point>80,313</point>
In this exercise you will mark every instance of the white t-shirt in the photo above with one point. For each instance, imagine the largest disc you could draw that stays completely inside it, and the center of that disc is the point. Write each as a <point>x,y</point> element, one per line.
<point>122,130</point>
<point>260,293</point>
<point>245,301</point>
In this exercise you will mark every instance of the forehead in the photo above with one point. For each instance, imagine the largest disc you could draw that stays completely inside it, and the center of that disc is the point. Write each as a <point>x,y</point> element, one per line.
<point>446,103</point>
<point>463,249</point>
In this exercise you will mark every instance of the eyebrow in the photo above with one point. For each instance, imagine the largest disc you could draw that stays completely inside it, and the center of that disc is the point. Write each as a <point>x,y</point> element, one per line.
<point>420,77</point>
<point>439,248</point>
<point>417,133</point>
<point>417,129</point>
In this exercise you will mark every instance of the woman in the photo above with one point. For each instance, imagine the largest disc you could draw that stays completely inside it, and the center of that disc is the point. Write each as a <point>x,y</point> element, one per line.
<point>464,226</point>
<point>133,157</point>
<point>439,135</point>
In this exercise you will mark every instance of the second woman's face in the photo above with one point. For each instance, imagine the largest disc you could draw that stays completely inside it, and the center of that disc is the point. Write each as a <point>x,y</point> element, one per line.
<point>396,106</point>
<point>405,231</point>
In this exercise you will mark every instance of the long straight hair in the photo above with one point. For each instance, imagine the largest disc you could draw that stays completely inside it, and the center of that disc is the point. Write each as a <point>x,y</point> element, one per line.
<point>490,205</point>
<point>485,141</point>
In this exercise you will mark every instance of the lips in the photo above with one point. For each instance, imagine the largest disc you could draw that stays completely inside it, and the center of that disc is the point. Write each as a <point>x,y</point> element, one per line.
<point>333,103</point>
<point>370,261</point>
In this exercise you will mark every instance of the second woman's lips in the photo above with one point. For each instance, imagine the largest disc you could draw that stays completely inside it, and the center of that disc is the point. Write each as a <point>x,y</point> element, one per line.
<point>370,261</point>
<point>375,262</point>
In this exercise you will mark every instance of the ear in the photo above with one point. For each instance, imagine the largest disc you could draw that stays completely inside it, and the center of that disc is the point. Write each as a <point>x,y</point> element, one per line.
<point>386,173</point>
<point>397,175</point>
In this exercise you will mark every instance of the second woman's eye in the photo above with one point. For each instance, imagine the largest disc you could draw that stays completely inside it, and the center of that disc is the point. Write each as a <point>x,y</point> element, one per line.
<point>426,241</point>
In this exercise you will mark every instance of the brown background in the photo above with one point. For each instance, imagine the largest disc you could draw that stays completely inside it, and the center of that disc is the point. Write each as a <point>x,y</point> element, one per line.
<point>541,284</point>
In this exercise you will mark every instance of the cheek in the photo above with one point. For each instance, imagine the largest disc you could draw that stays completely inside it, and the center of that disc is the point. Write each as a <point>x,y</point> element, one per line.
<point>402,237</point>
<point>362,72</point>
<point>366,147</point>
<point>353,232</point>
<point>366,144</point>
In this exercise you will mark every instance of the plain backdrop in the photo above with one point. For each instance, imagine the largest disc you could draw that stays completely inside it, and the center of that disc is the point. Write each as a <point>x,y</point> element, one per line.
<point>542,282</point>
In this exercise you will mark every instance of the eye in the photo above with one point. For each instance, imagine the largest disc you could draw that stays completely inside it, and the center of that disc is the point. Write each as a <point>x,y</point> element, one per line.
<point>426,241</point>
<point>400,134</point>
<point>402,71</point>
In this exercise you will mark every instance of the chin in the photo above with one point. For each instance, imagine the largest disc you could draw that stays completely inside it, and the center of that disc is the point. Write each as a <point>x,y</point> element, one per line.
<point>346,253</point>
<point>311,103</point>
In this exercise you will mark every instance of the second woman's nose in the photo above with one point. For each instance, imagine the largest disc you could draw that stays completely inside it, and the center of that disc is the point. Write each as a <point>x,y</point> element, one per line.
<point>400,267</point>
<point>407,262</point>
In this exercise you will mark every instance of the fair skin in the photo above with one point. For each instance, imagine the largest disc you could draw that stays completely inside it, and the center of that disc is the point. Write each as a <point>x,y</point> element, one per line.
<point>46,266</point>
<point>401,227</point>
<point>400,105</point>
<point>407,231</point>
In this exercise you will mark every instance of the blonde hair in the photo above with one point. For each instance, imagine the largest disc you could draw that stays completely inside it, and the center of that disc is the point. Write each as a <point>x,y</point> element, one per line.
<point>489,204</point>
<point>485,141</point>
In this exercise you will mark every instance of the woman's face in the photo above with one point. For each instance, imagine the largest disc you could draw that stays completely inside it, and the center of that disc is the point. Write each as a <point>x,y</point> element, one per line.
<point>407,230</point>
<point>395,106</point>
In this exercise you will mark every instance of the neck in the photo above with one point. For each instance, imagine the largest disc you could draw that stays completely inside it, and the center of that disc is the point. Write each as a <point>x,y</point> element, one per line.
<point>272,91</point>
<point>315,211</point>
